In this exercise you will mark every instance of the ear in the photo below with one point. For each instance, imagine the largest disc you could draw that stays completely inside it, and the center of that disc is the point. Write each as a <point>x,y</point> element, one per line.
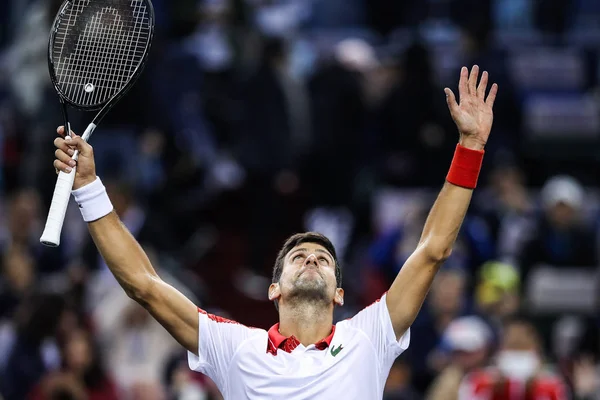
<point>338,299</point>
<point>274,291</point>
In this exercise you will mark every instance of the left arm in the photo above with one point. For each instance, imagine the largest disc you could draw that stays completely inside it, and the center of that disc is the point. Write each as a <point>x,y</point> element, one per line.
<point>473,118</point>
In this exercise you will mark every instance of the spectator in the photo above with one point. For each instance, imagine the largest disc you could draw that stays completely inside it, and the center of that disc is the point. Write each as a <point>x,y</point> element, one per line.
<point>18,281</point>
<point>586,381</point>
<point>414,142</point>
<point>23,232</point>
<point>398,385</point>
<point>468,342</point>
<point>560,238</point>
<point>33,351</point>
<point>497,292</point>
<point>135,346</point>
<point>508,210</point>
<point>389,252</point>
<point>445,302</point>
<point>274,135</point>
<point>82,375</point>
<point>518,372</point>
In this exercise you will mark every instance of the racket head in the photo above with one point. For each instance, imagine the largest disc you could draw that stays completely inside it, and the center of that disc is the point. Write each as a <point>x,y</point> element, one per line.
<point>98,48</point>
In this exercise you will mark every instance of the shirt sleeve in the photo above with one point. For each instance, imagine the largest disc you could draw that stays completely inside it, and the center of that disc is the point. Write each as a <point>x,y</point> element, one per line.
<point>376,323</point>
<point>219,339</point>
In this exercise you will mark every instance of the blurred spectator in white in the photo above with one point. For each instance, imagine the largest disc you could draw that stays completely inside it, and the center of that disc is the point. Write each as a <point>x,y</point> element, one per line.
<point>508,209</point>
<point>398,385</point>
<point>518,373</point>
<point>561,237</point>
<point>82,376</point>
<point>467,343</point>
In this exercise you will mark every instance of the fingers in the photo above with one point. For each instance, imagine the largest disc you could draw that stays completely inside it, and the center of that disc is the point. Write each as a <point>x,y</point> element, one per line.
<point>61,166</point>
<point>77,142</point>
<point>482,85</point>
<point>61,131</point>
<point>64,158</point>
<point>463,88</point>
<point>492,95</point>
<point>473,80</point>
<point>62,145</point>
<point>451,100</point>
<point>73,141</point>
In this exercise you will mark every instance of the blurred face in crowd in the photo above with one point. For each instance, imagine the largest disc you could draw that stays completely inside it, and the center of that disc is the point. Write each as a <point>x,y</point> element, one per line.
<point>18,270</point>
<point>562,215</point>
<point>23,214</point>
<point>120,197</point>
<point>399,378</point>
<point>469,360</point>
<point>308,276</point>
<point>78,352</point>
<point>519,356</point>
<point>447,292</point>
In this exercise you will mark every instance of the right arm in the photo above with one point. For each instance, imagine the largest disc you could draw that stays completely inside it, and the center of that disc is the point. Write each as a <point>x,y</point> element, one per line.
<point>134,272</point>
<point>126,259</point>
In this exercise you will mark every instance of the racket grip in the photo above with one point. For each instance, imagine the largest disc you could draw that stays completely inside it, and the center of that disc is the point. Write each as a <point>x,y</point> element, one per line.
<point>58,209</point>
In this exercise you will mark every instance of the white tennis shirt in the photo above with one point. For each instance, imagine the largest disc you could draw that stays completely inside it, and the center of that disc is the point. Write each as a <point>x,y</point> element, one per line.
<point>248,363</point>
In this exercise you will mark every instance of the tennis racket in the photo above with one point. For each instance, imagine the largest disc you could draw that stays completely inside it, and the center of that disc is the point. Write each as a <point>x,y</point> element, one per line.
<point>96,51</point>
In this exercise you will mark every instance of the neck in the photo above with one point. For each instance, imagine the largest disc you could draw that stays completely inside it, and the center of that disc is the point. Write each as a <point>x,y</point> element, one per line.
<point>309,323</point>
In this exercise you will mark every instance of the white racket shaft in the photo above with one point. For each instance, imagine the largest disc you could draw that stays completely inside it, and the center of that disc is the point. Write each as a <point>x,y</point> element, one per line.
<point>60,200</point>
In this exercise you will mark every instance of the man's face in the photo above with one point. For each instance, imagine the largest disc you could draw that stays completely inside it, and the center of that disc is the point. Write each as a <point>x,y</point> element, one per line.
<point>517,337</point>
<point>308,275</point>
<point>562,215</point>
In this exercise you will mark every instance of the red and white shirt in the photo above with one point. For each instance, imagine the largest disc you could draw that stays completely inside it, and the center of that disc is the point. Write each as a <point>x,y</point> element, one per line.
<point>489,384</point>
<point>353,361</point>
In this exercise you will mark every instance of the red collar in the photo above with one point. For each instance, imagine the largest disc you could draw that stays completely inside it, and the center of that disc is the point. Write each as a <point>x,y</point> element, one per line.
<point>288,344</point>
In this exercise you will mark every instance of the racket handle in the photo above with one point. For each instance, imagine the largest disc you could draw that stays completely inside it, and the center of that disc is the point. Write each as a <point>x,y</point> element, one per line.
<point>60,199</point>
<point>58,209</point>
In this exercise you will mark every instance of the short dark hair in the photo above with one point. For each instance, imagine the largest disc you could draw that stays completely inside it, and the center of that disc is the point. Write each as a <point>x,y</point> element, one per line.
<point>307,237</point>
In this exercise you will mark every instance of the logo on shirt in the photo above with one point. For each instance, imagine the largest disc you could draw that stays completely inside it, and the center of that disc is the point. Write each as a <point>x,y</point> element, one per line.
<point>335,351</point>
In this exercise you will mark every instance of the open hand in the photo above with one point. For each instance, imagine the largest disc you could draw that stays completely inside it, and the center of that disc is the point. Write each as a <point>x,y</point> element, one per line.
<point>473,116</point>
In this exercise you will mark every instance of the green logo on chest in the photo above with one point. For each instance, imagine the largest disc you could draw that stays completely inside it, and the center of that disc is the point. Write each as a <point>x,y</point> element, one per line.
<point>335,351</point>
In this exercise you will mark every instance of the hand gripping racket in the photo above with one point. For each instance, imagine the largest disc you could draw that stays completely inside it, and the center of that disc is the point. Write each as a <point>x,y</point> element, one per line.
<point>96,51</point>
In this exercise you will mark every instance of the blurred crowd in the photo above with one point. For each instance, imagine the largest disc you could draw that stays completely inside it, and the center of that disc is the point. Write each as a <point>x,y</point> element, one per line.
<point>256,119</point>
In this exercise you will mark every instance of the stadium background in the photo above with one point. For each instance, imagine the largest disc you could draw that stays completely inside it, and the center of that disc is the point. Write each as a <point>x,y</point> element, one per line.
<point>256,119</point>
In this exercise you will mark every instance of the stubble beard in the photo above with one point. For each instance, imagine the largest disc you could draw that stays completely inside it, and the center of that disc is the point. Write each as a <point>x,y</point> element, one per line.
<point>309,292</point>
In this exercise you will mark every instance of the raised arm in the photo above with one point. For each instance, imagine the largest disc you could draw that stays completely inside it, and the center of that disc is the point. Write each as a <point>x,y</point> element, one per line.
<point>125,257</point>
<point>473,118</point>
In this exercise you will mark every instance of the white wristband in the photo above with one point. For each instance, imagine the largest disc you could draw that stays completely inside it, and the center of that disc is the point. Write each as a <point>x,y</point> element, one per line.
<point>93,201</point>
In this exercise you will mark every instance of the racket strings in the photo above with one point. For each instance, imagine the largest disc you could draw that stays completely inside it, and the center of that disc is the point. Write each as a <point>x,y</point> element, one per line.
<point>98,46</point>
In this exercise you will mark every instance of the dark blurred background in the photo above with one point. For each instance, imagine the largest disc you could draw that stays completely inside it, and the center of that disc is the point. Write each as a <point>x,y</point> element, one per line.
<point>256,119</point>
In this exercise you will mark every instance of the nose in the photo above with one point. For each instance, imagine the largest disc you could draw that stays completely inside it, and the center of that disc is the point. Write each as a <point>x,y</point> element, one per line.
<point>311,259</point>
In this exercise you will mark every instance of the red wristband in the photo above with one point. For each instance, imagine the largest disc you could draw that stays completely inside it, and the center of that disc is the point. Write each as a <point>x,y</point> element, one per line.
<point>465,167</point>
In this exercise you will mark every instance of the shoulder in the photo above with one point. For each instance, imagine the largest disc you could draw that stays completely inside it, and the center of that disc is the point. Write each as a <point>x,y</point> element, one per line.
<point>224,320</point>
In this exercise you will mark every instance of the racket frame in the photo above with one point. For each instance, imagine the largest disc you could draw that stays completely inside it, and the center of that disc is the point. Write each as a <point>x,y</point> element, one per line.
<point>64,183</point>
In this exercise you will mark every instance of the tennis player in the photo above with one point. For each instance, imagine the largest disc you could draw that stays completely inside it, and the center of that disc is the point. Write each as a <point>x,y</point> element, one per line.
<point>304,356</point>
